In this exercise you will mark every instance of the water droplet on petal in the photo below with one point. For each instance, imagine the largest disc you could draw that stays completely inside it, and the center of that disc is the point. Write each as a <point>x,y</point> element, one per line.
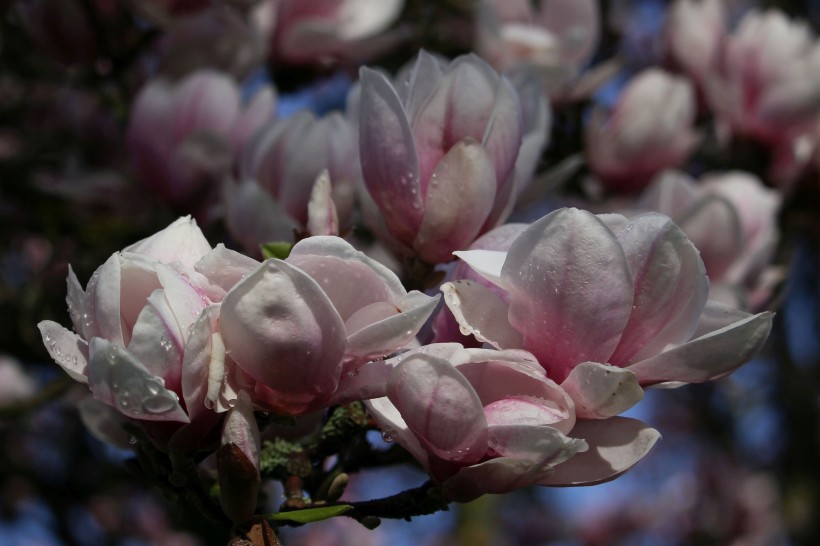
<point>387,437</point>
<point>159,404</point>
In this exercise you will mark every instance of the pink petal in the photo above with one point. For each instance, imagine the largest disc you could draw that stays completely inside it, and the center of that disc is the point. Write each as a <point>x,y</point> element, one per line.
<point>601,391</point>
<point>339,248</point>
<point>713,225</point>
<point>419,84</point>
<point>205,101</point>
<point>481,313</point>
<point>615,445</point>
<point>499,375</point>
<point>485,107</point>
<point>281,328</point>
<point>571,290</point>
<point>671,287</point>
<point>708,357</point>
<point>440,407</point>
<point>67,349</point>
<point>390,165</point>
<point>460,195</point>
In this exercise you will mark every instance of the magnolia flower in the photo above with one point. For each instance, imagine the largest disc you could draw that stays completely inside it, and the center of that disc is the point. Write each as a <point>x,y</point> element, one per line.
<point>310,31</point>
<point>279,169</point>
<point>693,36</point>
<point>299,329</point>
<point>649,129</point>
<point>439,152</point>
<point>484,421</point>
<point>183,138</point>
<point>607,305</point>
<point>766,86</point>
<point>556,37</point>
<point>133,323</point>
<point>732,220</point>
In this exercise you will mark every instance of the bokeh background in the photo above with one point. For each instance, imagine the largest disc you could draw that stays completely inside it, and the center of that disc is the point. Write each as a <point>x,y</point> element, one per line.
<point>738,462</point>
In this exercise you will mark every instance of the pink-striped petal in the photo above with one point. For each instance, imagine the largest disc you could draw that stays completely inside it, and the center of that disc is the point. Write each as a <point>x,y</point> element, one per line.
<point>571,290</point>
<point>440,407</point>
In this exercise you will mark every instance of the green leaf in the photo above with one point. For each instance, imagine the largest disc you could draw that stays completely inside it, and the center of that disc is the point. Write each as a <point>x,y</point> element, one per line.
<point>276,249</point>
<point>310,515</point>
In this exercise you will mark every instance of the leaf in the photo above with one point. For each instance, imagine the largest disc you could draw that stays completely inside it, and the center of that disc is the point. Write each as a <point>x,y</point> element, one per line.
<point>276,249</point>
<point>310,515</point>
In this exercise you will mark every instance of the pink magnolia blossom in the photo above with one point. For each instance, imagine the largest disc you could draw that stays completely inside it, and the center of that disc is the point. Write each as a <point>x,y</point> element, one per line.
<point>317,31</point>
<point>732,220</point>
<point>693,35</point>
<point>555,37</point>
<point>485,421</point>
<point>298,329</point>
<point>438,152</point>
<point>279,169</point>
<point>650,128</point>
<point>608,306</point>
<point>183,137</point>
<point>766,85</point>
<point>133,324</point>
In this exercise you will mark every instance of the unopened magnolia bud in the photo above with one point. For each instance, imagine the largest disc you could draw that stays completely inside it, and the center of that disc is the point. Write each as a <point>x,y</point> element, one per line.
<point>238,482</point>
<point>337,487</point>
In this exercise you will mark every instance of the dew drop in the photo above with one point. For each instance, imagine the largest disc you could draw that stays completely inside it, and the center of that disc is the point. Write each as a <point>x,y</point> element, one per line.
<point>387,437</point>
<point>158,404</point>
<point>132,440</point>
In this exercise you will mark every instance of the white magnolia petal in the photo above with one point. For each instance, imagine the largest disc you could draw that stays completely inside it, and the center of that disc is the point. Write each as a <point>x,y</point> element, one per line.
<point>196,370</point>
<point>67,349</point>
<point>708,357</point>
<point>118,379</point>
<point>322,216</point>
<point>181,242</point>
<point>393,332</point>
<point>615,445</point>
<point>487,263</point>
<point>481,313</point>
<point>601,391</point>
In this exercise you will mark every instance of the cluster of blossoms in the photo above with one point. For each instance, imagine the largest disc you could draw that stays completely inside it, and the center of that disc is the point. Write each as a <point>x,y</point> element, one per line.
<point>497,355</point>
